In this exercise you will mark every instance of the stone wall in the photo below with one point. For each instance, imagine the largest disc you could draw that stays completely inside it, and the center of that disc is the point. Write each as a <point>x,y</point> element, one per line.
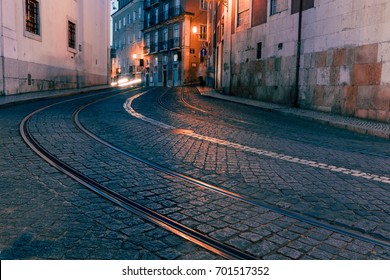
<point>344,66</point>
<point>22,76</point>
<point>347,81</point>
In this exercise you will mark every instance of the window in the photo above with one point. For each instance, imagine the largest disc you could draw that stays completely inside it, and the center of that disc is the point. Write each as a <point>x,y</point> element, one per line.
<point>156,15</point>
<point>165,39</point>
<point>176,36</point>
<point>278,6</point>
<point>176,5</point>
<point>129,19</point>
<point>203,32</point>
<point>203,4</point>
<point>147,43</point>
<point>243,13</point>
<point>140,13</point>
<point>258,50</point>
<point>32,17</point>
<point>155,42</point>
<point>147,20</point>
<point>306,4</point>
<point>139,35</point>
<point>71,35</point>
<point>124,21</point>
<point>166,9</point>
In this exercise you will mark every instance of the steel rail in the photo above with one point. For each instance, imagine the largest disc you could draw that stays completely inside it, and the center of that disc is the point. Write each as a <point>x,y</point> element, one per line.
<point>173,226</point>
<point>291,214</point>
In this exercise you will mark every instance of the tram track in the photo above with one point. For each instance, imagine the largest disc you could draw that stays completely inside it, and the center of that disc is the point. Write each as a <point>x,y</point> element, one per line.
<point>251,124</point>
<point>173,226</point>
<point>146,213</point>
<point>243,198</point>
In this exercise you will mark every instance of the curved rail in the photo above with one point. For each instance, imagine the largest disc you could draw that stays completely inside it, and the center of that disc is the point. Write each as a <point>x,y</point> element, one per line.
<point>173,226</point>
<point>315,222</point>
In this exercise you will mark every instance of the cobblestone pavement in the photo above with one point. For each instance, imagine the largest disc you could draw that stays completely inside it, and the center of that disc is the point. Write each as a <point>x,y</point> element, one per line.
<point>47,215</point>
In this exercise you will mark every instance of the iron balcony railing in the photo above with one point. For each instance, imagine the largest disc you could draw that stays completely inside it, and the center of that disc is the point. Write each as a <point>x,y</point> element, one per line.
<point>174,43</point>
<point>163,16</point>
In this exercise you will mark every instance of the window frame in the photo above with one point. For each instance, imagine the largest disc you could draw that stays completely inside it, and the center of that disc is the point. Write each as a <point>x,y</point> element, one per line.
<point>74,22</point>
<point>36,36</point>
<point>259,50</point>
<point>202,35</point>
<point>203,4</point>
<point>241,11</point>
<point>273,7</point>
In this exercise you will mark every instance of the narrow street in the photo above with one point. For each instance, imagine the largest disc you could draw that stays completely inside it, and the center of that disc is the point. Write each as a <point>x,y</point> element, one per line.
<point>153,165</point>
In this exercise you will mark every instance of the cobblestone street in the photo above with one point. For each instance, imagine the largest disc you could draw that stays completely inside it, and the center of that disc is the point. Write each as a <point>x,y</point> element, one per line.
<point>266,184</point>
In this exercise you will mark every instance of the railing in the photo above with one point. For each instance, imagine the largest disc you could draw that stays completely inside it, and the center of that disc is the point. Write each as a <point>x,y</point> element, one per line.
<point>163,16</point>
<point>174,43</point>
<point>153,47</point>
<point>163,46</point>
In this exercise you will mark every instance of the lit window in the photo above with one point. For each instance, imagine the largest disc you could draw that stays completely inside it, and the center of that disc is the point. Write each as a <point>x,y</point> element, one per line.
<point>32,17</point>
<point>71,35</point>
<point>278,6</point>
<point>203,32</point>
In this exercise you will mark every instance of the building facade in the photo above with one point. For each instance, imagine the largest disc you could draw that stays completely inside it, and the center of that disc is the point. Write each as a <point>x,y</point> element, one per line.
<point>128,24</point>
<point>325,55</point>
<point>175,32</point>
<point>47,45</point>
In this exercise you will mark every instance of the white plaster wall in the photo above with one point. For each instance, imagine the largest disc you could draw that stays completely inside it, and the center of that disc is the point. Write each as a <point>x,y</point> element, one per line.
<point>49,56</point>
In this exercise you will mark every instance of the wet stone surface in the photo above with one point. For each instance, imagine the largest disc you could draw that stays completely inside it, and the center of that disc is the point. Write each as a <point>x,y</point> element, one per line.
<point>46,215</point>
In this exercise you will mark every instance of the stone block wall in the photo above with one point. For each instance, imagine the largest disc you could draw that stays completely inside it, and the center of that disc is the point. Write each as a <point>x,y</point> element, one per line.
<point>344,64</point>
<point>347,81</point>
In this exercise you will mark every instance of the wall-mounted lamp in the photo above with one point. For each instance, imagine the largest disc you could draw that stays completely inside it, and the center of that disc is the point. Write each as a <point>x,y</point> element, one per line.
<point>194,29</point>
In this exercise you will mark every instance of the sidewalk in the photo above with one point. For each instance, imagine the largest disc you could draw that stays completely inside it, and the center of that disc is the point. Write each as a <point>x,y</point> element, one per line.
<point>8,100</point>
<point>353,124</point>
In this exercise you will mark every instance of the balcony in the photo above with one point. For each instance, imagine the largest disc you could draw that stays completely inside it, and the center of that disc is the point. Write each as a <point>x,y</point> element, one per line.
<point>163,46</point>
<point>153,47</point>
<point>163,16</point>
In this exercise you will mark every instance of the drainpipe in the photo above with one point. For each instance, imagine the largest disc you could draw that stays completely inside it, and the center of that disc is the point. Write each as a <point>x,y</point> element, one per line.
<point>298,62</point>
<point>2,47</point>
